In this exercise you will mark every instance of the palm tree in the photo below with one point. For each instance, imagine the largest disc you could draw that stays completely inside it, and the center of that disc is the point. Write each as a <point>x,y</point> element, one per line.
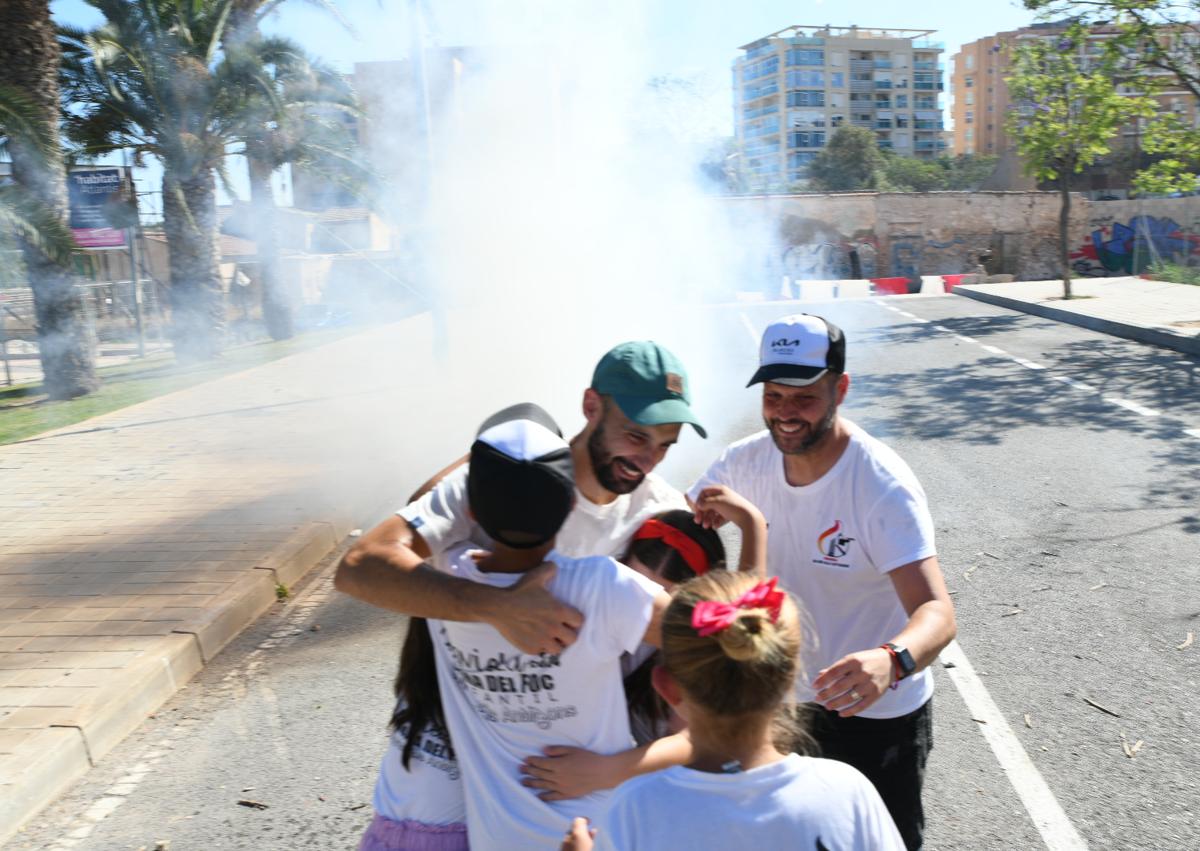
<point>150,79</point>
<point>293,116</point>
<point>35,206</point>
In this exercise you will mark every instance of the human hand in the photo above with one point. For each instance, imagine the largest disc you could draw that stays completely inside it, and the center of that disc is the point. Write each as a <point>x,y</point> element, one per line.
<point>530,617</point>
<point>580,837</point>
<point>565,772</point>
<point>717,504</point>
<point>854,682</point>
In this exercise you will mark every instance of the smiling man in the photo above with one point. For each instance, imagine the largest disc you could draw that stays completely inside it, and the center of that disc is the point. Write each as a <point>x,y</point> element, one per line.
<point>852,538</point>
<point>635,408</point>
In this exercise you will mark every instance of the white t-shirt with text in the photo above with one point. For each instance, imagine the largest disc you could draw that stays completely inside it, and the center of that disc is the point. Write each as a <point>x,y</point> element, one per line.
<point>502,705</point>
<point>442,519</point>
<point>429,790</point>
<point>832,544</point>
<point>798,802</point>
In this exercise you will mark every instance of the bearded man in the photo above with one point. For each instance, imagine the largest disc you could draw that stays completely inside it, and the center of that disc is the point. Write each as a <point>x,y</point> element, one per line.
<point>851,537</point>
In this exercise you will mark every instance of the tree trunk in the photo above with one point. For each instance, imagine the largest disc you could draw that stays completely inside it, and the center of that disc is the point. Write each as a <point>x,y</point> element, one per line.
<point>278,305</point>
<point>196,295</point>
<point>29,60</point>
<point>1064,233</point>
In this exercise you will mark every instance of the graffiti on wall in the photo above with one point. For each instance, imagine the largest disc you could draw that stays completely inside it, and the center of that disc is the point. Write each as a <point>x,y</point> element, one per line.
<point>913,256</point>
<point>816,251</point>
<point>1129,249</point>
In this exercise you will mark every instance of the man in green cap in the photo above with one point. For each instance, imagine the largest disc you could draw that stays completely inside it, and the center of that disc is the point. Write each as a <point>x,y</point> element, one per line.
<point>636,406</point>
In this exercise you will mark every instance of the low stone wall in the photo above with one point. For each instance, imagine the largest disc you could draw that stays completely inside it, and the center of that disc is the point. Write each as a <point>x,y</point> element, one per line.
<point>866,235</point>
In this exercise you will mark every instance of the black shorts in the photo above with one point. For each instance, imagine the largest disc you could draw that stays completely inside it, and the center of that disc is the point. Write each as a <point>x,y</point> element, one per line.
<point>891,752</point>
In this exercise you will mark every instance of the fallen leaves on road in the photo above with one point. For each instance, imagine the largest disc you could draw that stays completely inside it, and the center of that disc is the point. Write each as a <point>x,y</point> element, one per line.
<point>979,721</point>
<point>255,805</point>
<point>1098,587</point>
<point>1013,612</point>
<point>1103,709</point>
<point>1028,721</point>
<point>355,807</point>
<point>949,665</point>
<point>1187,642</point>
<point>1131,750</point>
<point>970,570</point>
<point>990,555</point>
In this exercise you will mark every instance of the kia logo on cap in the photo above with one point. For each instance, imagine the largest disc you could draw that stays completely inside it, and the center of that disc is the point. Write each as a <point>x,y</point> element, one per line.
<point>785,342</point>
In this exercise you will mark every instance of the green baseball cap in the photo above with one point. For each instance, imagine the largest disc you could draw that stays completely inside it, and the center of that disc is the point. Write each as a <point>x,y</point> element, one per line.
<point>648,383</point>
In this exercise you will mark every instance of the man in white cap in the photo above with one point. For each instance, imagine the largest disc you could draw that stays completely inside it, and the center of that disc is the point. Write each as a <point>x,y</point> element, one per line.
<point>852,538</point>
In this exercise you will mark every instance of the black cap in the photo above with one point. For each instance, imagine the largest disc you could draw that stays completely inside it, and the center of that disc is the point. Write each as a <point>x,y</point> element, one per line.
<point>521,479</point>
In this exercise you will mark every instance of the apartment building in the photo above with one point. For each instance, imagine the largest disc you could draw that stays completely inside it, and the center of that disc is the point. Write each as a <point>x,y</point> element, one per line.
<point>793,89</point>
<point>981,102</point>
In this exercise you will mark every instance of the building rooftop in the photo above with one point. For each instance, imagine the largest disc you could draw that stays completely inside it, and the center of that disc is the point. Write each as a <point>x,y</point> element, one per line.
<point>827,31</point>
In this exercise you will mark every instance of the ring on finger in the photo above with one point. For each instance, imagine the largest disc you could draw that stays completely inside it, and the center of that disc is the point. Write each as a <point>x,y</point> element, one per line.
<point>855,696</point>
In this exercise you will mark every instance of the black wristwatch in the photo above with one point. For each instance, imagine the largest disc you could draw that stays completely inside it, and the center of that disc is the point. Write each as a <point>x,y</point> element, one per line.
<point>902,659</point>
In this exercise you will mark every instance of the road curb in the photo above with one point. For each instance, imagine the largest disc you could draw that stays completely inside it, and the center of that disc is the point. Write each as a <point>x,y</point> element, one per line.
<point>51,759</point>
<point>1188,344</point>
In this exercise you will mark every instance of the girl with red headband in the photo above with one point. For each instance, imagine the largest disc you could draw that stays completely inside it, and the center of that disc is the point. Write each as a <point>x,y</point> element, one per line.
<point>730,648</point>
<point>669,548</point>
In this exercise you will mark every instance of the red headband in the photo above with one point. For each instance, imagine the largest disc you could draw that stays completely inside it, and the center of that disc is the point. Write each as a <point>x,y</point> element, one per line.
<point>680,541</point>
<point>710,617</point>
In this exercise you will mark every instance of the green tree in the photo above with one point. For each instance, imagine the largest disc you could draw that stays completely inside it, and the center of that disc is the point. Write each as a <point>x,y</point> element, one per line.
<point>1068,113</point>
<point>912,174</point>
<point>1154,44</point>
<point>850,162</point>
<point>967,172</point>
<point>35,204</point>
<point>149,79</point>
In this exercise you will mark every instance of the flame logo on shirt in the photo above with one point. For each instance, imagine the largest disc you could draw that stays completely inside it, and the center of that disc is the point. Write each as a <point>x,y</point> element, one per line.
<point>832,544</point>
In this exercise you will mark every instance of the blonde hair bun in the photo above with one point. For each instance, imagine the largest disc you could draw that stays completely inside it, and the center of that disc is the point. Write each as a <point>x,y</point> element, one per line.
<point>745,639</point>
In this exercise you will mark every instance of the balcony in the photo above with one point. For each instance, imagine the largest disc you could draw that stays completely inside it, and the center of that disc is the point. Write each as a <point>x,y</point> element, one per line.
<point>883,124</point>
<point>883,63</point>
<point>862,85</point>
<point>939,86</point>
<point>927,125</point>
<point>885,143</point>
<point>883,104</point>
<point>927,144</point>
<point>883,84</point>
<point>862,65</point>
<point>869,123</point>
<point>927,66</point>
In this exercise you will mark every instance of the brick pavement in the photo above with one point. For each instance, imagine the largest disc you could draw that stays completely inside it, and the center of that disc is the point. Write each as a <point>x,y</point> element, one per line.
<point>134,546</point>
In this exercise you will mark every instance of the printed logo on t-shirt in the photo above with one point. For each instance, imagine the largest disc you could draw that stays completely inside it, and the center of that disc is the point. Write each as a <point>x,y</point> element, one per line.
<point>834,545</point>
<point>509,687</point>
<point>431,749</point>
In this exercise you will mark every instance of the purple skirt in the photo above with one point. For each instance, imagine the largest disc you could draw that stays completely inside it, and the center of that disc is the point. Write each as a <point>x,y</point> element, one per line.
<point>383,834</point>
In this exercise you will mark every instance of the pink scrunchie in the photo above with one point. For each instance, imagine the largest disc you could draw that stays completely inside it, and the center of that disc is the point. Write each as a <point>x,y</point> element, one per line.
<point>710,617</point>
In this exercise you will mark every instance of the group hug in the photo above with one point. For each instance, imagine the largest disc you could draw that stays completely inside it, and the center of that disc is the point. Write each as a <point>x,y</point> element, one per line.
<point>585,666</point>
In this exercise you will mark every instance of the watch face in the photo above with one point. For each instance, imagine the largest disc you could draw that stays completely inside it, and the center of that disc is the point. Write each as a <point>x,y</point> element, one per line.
<point>907,665</point>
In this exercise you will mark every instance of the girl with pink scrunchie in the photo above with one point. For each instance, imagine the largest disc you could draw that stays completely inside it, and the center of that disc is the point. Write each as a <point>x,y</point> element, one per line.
<point>730,643</point>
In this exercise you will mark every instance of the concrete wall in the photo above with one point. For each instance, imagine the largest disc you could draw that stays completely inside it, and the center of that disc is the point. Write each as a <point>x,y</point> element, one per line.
<point>869,235</point>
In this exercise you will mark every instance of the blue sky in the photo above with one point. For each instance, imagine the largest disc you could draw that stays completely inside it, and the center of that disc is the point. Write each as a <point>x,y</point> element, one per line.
<point>676,37</point>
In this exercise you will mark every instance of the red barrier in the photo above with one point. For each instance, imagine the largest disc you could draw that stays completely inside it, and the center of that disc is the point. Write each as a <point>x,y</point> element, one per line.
<point>949,282</point>
<point>890,286</point>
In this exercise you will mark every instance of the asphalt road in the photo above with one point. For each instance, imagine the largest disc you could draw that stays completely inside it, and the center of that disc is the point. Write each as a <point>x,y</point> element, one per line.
<point>1066,505</point>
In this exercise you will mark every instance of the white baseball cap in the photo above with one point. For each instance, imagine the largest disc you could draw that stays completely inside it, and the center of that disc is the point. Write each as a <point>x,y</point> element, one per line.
<point>798,350</point>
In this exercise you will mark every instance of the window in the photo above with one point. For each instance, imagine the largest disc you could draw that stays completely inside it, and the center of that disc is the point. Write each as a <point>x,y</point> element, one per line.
<point>800,159</point>
<point>806,139</point>
<point>837,79</point>
<point>970,60</point>
<point>836,120</point>
<point>805,79</point>
<point>762,68</point>
<point>970,98</point>
<point>970,117</point>
<point>799,56</point>
<point>806,98</point>
<point>901,120</point>
<point>969,82</point>
<point>901,101</point>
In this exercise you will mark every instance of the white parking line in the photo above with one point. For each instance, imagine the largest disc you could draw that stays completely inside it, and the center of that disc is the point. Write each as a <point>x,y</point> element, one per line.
<point>1048,817</point>
<point>993,349</point>
<point>1028,364</point>
<point>1078,385</point>
<point>1132,406</point>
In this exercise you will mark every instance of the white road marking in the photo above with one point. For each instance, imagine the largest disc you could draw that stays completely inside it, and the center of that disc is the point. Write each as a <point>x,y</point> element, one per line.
<point>905,313</point>
<point>993,349</point>
<point>1192,432</point>
<point>965,338</point>
<point>1132,406</point>
<point>749,326</point>
<point>941,328</point>
<point>1028,364</point>
<point>1048,817</point>
<point>1078,385</point>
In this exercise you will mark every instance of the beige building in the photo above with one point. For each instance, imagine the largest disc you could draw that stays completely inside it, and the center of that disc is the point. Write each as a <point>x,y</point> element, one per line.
<point>981,104</point>
<point>793,89</point>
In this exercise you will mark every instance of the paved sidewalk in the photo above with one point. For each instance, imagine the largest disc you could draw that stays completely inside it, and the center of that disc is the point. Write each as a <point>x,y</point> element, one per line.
<point>134,546</point>
<point>1154,312</point>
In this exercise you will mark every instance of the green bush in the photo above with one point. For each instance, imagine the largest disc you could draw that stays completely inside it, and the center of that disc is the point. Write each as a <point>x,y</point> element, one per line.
<point>1175,273</point>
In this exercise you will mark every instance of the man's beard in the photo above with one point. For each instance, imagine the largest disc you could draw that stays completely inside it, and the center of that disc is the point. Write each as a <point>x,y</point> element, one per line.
<point>816,434</point>
<point>604,466</point>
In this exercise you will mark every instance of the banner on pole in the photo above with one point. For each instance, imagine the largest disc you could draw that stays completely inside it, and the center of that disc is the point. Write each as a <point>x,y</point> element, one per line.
<point>90,192</point>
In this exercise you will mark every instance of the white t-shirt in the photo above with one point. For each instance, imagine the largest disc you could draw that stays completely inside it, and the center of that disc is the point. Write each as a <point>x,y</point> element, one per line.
<point>503,705</point>
<point>429,790</point>
<point>442,519</point>
<point>832,543</point>
<point>798,802</point>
